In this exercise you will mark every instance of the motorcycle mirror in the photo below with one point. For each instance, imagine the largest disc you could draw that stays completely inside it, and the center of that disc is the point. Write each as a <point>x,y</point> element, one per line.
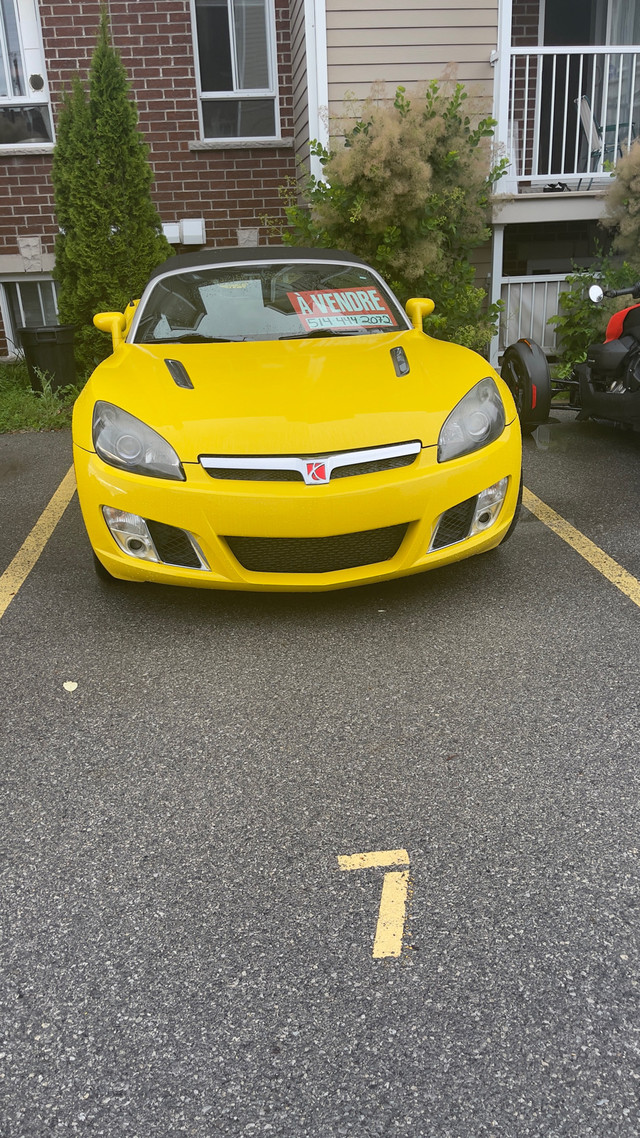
<point>596,294</point>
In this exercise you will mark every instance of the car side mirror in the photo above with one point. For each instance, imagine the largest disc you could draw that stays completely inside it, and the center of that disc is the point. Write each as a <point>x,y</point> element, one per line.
<point>113,323</point>
<point>596,294</point>
<point>417,308</point>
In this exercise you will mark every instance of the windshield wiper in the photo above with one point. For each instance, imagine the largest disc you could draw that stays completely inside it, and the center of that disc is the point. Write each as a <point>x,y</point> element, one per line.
<point>332,332</point>
<point>193,338</point>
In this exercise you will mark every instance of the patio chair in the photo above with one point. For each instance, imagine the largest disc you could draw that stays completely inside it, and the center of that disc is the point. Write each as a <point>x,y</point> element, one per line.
<point>601,148</point>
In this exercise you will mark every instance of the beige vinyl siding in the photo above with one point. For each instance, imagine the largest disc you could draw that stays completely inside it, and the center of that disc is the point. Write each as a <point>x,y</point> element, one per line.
<point>480,258</point>
<point>403,16</point>
<point>408,45</point>
<point>299,79</point>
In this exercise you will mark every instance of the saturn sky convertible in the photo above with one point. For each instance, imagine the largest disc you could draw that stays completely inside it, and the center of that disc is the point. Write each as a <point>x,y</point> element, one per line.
<point>273,419</point>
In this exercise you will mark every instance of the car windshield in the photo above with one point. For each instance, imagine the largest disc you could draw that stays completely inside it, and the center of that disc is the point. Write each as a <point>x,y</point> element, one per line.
<point>281,301</point>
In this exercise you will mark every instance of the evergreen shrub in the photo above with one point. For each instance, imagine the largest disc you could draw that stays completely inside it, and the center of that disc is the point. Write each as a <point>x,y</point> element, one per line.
<point>110,235</point>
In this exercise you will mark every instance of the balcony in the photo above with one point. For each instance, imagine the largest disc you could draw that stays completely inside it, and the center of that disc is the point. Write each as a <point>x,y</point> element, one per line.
<point>567,115</point>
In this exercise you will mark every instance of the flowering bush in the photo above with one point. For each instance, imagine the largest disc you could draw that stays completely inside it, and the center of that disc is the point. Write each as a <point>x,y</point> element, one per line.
<point>408,190</point>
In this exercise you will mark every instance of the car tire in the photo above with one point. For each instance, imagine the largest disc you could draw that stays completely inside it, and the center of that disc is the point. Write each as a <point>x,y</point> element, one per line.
<point>103,574</point>
<point>526,373</point>
<point>516,516</point>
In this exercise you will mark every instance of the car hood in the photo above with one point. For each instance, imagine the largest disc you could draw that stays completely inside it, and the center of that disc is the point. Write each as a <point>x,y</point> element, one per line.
<point>288,396</point>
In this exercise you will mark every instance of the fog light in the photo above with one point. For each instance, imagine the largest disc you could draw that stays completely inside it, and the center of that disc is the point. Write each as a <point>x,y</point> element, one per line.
<point>488,506</point>
<point>131,533</point>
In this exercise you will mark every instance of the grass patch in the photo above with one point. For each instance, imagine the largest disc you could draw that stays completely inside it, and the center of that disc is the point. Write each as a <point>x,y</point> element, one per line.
<point>22,409</point>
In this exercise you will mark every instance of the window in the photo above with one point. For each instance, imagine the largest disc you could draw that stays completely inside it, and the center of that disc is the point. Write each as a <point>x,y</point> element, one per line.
<point>27,304</point>
<point>236,49</point>
<point>24,100</point>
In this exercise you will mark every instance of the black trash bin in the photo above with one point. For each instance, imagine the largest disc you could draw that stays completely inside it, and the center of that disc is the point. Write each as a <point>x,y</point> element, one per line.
<point>48,351</point>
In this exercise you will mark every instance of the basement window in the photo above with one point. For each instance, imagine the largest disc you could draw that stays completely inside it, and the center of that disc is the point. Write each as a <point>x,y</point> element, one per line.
<point>27,304</point>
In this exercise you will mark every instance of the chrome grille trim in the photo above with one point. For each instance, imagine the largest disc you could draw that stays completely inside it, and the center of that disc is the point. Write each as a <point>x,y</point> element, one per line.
<point>252,466</point>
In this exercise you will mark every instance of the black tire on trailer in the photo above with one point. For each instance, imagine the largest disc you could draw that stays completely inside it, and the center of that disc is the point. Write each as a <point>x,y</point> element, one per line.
<point>525,371</point>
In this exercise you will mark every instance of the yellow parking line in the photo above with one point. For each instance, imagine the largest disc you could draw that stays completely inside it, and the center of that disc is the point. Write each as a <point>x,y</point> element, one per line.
<point>393,905</point>
<point>373,860</point>
<point>18,570</point>
<point>624,581</point>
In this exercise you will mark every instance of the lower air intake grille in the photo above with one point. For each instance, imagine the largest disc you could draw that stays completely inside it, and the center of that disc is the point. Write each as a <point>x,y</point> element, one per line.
<point>173,546</point>
<point>317,554</point>
<point>454,525</point>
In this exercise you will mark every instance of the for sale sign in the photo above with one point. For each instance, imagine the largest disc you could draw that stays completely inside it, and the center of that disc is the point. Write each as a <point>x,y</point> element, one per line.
<point>343,308</point>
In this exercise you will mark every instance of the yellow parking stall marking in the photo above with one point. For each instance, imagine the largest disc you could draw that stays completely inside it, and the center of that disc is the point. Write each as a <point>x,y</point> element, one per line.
<point>393,902</point>
<point>393,907</point>
<point>375,860</point>
<point>19,568</point>
<point>624,581</point>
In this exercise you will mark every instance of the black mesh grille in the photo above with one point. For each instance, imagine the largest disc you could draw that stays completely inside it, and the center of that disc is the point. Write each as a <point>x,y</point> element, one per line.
<point>454,525</point>
<point>248,475</point>
<point>374,466</point>
<point>317,554</point>
<point>173,545</point>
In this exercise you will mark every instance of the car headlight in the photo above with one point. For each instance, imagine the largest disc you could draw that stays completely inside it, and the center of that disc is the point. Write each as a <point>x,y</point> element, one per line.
<point>122,440</point>
<point>475,422</point>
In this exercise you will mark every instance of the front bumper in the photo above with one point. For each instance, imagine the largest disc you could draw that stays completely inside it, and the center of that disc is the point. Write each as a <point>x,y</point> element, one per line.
<point>415,496</point>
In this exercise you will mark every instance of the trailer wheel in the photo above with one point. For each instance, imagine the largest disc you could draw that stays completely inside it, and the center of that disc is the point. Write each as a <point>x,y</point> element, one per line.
<point>526,373</point>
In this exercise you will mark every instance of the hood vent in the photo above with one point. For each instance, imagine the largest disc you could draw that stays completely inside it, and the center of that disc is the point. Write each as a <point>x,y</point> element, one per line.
<point>400,362</point>
<point>179,373</point>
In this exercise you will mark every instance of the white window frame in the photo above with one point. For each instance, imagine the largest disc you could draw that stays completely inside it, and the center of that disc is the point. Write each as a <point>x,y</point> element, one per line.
<point>33,63</point>
<point>241,92</point>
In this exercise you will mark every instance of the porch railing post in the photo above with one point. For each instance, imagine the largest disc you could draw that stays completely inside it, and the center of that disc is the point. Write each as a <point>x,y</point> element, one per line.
<point>505,135</point>
<point>497,252</point>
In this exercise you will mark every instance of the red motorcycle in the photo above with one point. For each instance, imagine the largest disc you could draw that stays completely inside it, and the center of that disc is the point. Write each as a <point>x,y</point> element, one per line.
<point>606,386</point>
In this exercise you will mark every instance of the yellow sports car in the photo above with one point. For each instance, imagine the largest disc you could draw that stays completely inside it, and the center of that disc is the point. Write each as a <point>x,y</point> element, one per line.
<point>272,419</point>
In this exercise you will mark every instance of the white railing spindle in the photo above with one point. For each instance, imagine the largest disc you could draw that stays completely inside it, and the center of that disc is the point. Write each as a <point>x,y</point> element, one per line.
<point>552,116</point>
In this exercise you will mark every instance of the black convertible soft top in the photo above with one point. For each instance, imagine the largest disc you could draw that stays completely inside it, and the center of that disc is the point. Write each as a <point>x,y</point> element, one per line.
<point>232,254</point>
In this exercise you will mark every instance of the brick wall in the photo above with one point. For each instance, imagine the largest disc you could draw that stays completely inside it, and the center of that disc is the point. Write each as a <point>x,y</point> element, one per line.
<point>231,188</point>
<point>525,23</point>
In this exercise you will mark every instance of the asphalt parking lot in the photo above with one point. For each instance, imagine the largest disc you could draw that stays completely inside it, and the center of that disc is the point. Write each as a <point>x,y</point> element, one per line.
<point>182,952</point>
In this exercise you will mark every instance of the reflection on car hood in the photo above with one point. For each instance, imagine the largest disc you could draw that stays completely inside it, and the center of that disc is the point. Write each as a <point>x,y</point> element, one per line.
<point>291,396</point>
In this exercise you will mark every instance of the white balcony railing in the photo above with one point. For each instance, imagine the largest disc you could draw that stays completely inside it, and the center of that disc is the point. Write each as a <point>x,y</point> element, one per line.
<point>528,304</point>
<point>572,112</point>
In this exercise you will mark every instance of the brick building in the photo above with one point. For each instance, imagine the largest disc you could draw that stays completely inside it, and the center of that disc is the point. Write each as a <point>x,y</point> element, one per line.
<point>213,83</point>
